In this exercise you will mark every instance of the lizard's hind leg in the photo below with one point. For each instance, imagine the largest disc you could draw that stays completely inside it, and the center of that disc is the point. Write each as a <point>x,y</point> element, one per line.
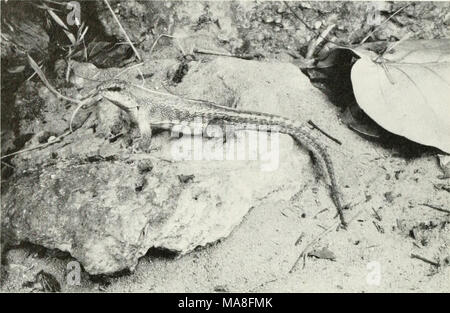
<point>144,140</point>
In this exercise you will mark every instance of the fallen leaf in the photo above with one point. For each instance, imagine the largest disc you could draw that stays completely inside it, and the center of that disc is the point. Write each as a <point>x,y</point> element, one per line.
<point>57,19</point>
<point>323,253</point>
<point>185,178</point>
<point>407,91</point>
<point>16,69</point>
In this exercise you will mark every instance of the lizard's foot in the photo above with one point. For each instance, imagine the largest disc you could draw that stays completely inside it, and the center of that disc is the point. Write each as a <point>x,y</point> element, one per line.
<point>144,143</point>
<point>142,138</point>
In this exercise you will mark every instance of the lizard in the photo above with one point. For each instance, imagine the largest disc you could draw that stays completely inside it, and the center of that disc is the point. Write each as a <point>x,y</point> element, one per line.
<point>156,111</point>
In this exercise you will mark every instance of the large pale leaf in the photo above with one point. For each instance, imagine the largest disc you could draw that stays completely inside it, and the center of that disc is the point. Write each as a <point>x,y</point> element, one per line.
<point>407,92</point>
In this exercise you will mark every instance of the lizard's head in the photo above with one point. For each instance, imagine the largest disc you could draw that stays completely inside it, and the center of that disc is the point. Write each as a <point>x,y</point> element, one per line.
<point>118,92</point>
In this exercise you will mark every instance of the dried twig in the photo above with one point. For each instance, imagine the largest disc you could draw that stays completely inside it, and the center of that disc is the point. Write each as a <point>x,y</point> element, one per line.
<point>323,132</point>
<point>123,30</point>
<point>8,165</point>
<point>299,239</point>
<point>44,145</point>
<point>415,256</point>
<point>320,212</point>
<point>384,22</point>
<point>41,75</point>
<point>224,54</point>
<point>298,17</point>
<point>435,207</point>
<point>168,36</point>
<point>318,238</point>
<point>377,215</point>
<point>80,105</point>
<point>127,69</point>
<point>204,51</point>
<point>378,227</point>
<point>309,27</point>
<point>315,43</point>
<point>313,242</point>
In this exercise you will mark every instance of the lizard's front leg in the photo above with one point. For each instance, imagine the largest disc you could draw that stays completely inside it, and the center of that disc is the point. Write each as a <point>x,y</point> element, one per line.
<point>145,130</point>
<point>140,127</point>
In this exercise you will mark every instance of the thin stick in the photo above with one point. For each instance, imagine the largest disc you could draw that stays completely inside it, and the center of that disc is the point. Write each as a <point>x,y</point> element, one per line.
<point>8,165</point>
<point>395,44</point>
<point>377,216</point>
<point>384,22</point>
<point>312,48</point>
<point>435,207</point>
<point>127,69</point>
<point>299,239</point>
<point>311,243</point>
<point>58,139</point>
<point>415,256</point>
<point>80,105</point>
<point>156,92</point>
<point>319,237</point>
<point>168,36</point>
<point>321,211</point>
<point>223,54</point>
<point>54,2</point>
<point>123,30</point>
<point>298,17</point>
<point>323,132</point>
<point>309,27</point>
<point>37,70</point>
<point>44,145</point>
<point>240,56</point>
<point>34,73</point>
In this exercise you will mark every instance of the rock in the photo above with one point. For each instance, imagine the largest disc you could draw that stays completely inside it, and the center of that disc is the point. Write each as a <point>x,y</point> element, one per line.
<point>23,32</point>
<point>107,208</point>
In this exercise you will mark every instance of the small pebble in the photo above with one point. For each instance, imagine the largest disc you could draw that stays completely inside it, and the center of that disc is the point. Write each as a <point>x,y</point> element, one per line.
<point>268,19</point>
<point>305,5</point>
<point>144,166</point>
<point>77,81</point>
<point>281,10</point>
<point>51,138</point>
<point>260,37</point>
<point>287,24</point>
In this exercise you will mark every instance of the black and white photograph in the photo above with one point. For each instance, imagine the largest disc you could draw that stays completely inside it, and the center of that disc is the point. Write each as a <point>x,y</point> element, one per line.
<point>225,151</point>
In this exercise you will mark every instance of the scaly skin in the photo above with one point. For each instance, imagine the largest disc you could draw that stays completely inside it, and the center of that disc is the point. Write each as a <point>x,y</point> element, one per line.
<point>161,111</point>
